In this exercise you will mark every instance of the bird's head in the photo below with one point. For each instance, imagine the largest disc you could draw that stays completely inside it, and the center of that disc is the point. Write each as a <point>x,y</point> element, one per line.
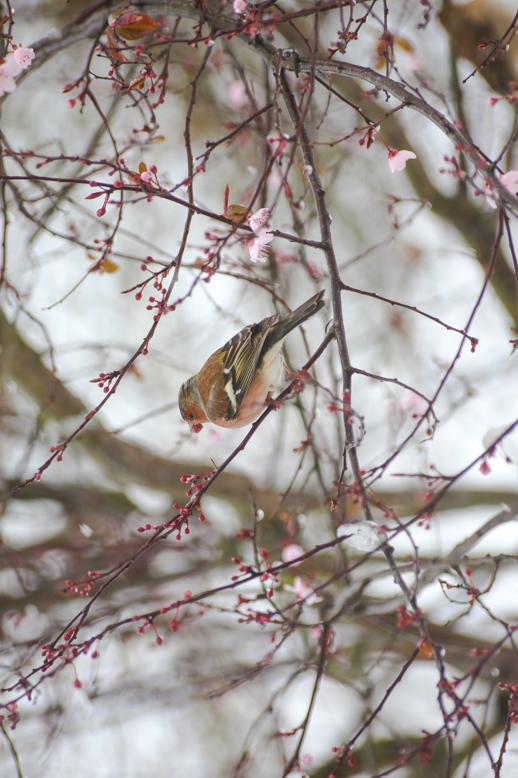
<point>191,405</point>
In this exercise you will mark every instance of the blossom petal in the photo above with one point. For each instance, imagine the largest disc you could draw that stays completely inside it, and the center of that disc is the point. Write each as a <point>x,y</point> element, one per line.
<point>7,82</point>
<point>291,552</point>
<point>303,591</point>
<point>397,159</point>
<point>510,181</point>
<point>259,219</point>
<point>23,56</point>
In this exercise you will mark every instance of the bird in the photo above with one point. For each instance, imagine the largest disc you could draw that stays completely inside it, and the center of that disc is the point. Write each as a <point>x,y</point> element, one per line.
<point>234,385</point>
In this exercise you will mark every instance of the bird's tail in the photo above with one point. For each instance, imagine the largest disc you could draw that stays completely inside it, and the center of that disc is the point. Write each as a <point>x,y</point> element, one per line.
<point>293,319</point>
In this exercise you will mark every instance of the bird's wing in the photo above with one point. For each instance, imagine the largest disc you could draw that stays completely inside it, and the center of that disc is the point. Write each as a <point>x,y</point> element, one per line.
<point>240,360</point>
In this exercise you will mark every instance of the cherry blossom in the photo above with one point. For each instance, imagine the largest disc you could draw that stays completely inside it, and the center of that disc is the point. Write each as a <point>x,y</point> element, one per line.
<point>397,159</point>
<point>257,247</point>
<point>236,94</point>
<point>7,83</point>
<point>509,180</point>
<point>303,591</point>
<point>10,67</point>
<point>240,6</point>
<point>16,61</point>
<point>291,552</point>
<point>23,56</point>
<point>259,219</point>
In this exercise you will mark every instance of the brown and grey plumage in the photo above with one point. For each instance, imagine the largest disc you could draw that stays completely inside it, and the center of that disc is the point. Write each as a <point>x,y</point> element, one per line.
<point>232,387</point>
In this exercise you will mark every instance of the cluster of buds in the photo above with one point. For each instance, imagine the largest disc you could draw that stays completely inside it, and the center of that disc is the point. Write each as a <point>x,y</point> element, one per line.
<point>344,753</point>
<point>253,616</point>
<point>196,482</point>
<point>12,715</point>
<point>82,588</point>
<point>104,380</point>
<point>148,623</point>
<point>105,191</point>
<point>406,618</point>
<point>59,450</point>
<point>80,97</point>
<point>160,305</point>
<point>268,576</point>
<point>454,168</point>
<point>344,37</point>
<point>256,23</point>
<point>301,377</point>
<point>243,568</point>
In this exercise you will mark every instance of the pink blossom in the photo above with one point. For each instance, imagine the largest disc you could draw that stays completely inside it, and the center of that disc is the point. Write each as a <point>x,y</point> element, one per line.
<point>23,56</point>
<point>236,94</point>
<point>414,61</point>
<point>258,219</point>
<point>509,180</point>
<point>10,67</point>
<point>240,6</point>
<point>7,83</point>
<point>16,61</point>
<point>291,552</point>
<point>146,177</point>
<point>257,248</point>
<point>397,159</point>
<point>303,592</point>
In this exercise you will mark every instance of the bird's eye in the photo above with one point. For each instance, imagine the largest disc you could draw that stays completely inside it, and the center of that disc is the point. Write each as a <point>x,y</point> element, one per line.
<point>190,416</point>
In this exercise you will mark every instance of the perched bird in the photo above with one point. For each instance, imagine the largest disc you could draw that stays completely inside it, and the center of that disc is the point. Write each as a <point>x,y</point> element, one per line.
<point>233,386</point>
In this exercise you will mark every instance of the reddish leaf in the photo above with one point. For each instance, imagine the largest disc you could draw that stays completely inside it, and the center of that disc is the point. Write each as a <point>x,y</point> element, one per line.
<point>137,83</point>
<point>132,26</point>
<point>113,46</point>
